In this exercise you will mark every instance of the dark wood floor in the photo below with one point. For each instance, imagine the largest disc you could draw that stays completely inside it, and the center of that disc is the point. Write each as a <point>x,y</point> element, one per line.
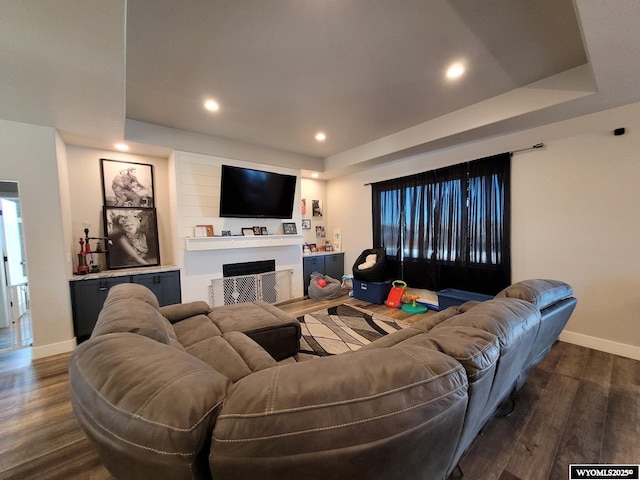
<point>578,406</point>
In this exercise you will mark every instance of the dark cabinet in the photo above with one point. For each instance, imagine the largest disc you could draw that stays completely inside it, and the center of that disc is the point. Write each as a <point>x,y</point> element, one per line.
<point>166,286</point>
<point>88,296</point>
<point>329,264</point>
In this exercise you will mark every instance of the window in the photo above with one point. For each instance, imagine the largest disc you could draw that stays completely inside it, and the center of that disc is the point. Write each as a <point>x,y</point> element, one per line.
<point>448,228</point>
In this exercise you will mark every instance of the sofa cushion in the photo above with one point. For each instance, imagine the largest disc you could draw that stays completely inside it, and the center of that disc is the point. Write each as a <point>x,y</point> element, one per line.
<point>181,311</point>
<point>195,329</point>
<point>427,323</point>
<point>133,316</point>
<point>541,293</point>
<point>274,330</point>
<point>245,317</point>
<point>234,355</point>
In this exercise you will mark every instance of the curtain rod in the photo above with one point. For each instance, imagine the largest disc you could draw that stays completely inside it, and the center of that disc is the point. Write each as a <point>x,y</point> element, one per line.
<point>533,147</point>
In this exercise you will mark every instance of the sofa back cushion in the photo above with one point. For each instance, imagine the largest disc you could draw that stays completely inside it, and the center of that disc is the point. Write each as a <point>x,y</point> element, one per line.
<point>344,416</point>
<point>132,291</point>
<point>133,316</point>
<point>515,324</point>
<point>542,293</point>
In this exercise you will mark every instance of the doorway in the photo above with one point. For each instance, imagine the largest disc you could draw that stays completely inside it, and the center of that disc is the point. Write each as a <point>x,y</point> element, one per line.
<point>15,314</point>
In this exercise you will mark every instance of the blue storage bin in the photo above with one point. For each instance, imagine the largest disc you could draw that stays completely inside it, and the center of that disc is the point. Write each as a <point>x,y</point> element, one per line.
<point>372,292</point>
<point>450,297</point>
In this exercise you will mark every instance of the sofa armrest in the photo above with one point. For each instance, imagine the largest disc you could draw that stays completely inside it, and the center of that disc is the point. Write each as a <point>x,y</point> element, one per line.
<point>148,407</point>
<point>356,411</point>
<point>181,311</point>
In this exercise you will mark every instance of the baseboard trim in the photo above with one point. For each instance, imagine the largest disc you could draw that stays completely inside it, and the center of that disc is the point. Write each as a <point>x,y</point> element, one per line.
<point>615,348</point>
<point>53,349</point>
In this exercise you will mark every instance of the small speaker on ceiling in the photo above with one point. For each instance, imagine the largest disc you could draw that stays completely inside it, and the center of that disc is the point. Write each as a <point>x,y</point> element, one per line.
<point>618,131</point>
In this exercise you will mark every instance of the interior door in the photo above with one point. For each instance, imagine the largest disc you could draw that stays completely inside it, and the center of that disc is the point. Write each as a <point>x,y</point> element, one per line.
<point>15,264</point>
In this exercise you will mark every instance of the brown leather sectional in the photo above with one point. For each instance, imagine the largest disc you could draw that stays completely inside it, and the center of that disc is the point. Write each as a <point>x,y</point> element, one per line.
<point>189,392</point>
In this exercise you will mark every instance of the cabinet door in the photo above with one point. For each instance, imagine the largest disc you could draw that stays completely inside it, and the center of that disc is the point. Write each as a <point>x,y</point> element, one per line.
<point>87,298</point>
<point>334,265</point>
<point>165,286</point>
<point>310,265</point>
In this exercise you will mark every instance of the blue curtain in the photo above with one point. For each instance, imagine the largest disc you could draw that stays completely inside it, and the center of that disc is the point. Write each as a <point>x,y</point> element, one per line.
<point>448,228</point>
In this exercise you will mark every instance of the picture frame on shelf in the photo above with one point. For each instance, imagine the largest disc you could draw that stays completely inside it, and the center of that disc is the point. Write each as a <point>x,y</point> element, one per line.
<point>133,236</point>
<point>257,231</point>
<point>204,230</point>
<point>248,232</point>
<point>264,231</point>
<point>127,184</point>
<point>289,228</point>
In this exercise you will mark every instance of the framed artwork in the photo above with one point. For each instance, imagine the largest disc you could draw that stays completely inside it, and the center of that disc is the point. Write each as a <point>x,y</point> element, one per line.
<point>306,224</point>
<point>257,231</point>
<point>133,237</point>
<point>316,206</point>
<point>303,206</point>
<point>264,231</point>
<point>127,184</point>
<point>320,231</point>
<point>289,228</point>
<point>248,232</point>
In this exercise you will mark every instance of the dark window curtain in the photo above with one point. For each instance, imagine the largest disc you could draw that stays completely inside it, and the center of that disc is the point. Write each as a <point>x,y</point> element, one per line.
<point>447,228</point>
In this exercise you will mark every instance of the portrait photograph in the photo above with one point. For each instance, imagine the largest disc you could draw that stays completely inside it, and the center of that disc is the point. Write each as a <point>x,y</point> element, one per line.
<point>316,206</point>
<point>127,184</point>
<point>133,236</point>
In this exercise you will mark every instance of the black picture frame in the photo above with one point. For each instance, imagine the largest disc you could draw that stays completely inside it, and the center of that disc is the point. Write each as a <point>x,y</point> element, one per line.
<point>289,228</point>
<point>133,237</point>
<point>127,184</point>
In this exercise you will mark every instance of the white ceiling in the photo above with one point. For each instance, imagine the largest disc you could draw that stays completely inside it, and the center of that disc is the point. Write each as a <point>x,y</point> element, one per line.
<point>369,73</point>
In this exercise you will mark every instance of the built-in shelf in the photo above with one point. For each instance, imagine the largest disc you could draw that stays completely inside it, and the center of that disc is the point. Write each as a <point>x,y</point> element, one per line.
<point>225,243</point>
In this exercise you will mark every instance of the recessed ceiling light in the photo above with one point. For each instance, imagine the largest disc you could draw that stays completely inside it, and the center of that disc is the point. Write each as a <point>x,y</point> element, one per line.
<point>123,147</point>
<point>455,70</point>
<point>211,105</point>
<point>321,137</point>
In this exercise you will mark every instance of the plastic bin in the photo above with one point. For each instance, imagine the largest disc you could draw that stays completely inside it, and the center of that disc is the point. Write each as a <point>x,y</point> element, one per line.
<point>372,292</point>
<point>450,297</point>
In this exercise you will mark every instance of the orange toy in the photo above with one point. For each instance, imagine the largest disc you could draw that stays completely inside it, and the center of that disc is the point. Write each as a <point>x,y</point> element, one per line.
<point>397,292</point>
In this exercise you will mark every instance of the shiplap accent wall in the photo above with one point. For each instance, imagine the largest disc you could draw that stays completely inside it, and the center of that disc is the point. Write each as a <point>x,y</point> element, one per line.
<point>196,200</point>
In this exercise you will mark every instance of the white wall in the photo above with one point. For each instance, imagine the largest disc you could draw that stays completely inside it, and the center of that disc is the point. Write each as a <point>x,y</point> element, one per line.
<point>315,190</point>
<point>86,201</point>
<point>574,216</point>
<point>29,156</point>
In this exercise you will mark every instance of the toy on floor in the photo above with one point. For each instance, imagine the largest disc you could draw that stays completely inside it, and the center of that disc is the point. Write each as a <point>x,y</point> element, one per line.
<point>397,292</point>
<point>413,307</point>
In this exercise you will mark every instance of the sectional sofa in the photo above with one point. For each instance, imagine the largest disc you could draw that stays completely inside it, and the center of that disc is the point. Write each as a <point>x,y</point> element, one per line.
<point>189,392</point>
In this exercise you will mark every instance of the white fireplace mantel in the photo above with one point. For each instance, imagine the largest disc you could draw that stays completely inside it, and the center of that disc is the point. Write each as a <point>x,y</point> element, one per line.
<point>225,243</point>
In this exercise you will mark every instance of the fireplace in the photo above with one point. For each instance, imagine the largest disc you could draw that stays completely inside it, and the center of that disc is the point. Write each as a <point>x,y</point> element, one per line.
<point>248,268</point>
<point>249,282</point>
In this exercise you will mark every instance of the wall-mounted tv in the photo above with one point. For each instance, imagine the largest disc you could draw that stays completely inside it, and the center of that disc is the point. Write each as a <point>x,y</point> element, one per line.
<point>247,193</point>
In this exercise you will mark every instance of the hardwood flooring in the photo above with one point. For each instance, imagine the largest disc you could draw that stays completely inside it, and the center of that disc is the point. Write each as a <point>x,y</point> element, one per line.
<point>578,406</point>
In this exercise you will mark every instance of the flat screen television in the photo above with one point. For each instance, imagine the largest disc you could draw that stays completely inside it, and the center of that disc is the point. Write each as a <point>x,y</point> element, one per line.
<point>247,193</point>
